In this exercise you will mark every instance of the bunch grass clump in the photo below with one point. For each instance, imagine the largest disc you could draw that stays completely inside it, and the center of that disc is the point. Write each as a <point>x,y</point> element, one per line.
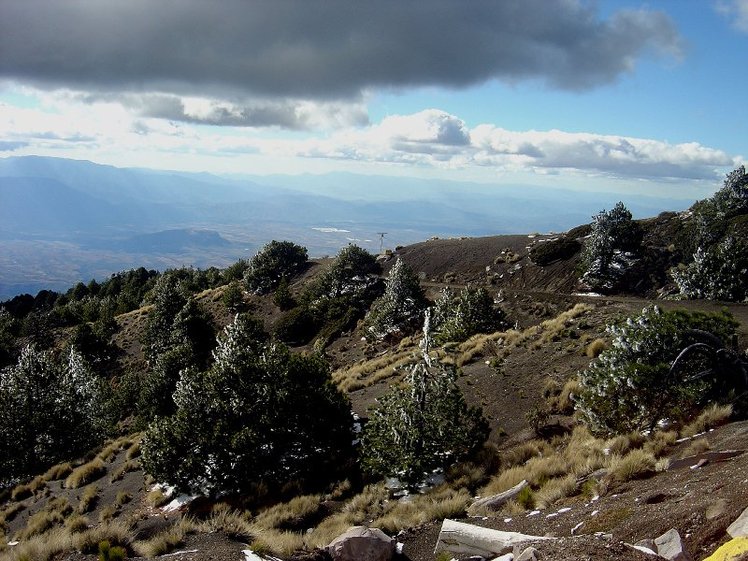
<point>85,474</point>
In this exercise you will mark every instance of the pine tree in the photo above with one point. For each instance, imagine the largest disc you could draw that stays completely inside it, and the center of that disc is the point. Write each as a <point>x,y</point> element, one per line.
<point>423,425</point>
<point>604,259</point>
<point>273,263</point>
<point>471,312</point>
<point>399,309</point>
<point>259,415</point>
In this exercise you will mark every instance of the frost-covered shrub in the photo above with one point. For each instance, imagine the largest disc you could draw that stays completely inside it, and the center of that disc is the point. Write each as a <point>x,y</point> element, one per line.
<point>350,273</point>
<point>259,415</point>
<point>274,262</point>
<point>471,311</point>
<point>628,387</point>
<point>399,309</point>
<point>50,410</point>
<point>719,273</point>
<point>610,248</point>
<point>422,425</point>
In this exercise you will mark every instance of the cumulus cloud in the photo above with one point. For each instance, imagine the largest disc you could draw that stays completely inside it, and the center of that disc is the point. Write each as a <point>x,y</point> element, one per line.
<point>736,11</point>
<point>304,50</point>
<point>429,138</point>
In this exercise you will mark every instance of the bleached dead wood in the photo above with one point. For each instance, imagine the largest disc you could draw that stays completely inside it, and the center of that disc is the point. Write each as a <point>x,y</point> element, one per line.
<point>494,502</point>
<point>463,540</point>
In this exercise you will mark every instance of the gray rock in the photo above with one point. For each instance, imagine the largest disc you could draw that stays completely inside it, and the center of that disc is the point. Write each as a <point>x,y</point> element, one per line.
<point>716,509</point>
<point>670,546</point>
<point>495,502</point>
<point>529,554</point>
<point>739,528</point>
<point>360,543</point>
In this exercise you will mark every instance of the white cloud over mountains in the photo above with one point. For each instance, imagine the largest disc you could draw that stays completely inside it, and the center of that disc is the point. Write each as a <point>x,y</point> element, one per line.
<point>428,139</point>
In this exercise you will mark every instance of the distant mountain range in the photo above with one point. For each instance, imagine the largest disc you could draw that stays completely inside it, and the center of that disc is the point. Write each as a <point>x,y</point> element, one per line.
<point>62,220</point>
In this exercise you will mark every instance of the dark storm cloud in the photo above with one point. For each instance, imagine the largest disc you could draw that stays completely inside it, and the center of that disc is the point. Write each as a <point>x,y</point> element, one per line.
<point>319,50</point>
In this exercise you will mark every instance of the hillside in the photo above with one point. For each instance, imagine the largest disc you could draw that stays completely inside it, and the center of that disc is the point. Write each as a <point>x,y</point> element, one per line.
<point>142,332</point>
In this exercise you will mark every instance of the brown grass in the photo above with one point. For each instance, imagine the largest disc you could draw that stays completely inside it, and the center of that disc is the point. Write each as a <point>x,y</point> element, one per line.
<point>10,512</point>
<point>88,499</point>
<point>436,505</point>
<point>595,348</point>
<point>24,491</point>
<point>38,524</point>
<point>713,416</point>
<point>133,451</point>
<point>122,498</point>
<point>165,541</point>
<point>231,522</point>
<point>122,469</point>
<point>108,513</point>
<point>41,548</point>
<point>637,464</point>
<point>156,498</point>
<point>60,471</point>
<point>698,446</point>
<point>295,510</point>
<point>555,489</point>
<point>368,373</point>
<point>116,533</point>
<point>85,474</point>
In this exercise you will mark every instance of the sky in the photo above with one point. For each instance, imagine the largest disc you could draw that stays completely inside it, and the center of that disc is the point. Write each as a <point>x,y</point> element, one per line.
<point>628,96</point>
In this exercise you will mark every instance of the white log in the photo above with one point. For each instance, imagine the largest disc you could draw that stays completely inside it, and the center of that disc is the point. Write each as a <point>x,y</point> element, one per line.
<point>462,539</point>
<point>494,502</point>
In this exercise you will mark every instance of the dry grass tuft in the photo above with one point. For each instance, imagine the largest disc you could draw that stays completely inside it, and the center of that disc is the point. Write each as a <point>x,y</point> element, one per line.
<point>698,446</point>
<point>60,471</point>
<point>116,533</point>
<point>128,466</point>
<point>88,499</point>
<point>275,542</point>
<point>85,474</point>
<point>156,498</point>
<point>420,509</point>
<point>10,512</point>
<point>637,464</point>
<point>133,451</point>
<point>76,524</point>
<point>661,442</point>
<point>555,489</point>
<point>231,522</point>
<point>595,348</point>
<point>24,491</point>
<point>39,524</point>
<point>291,513</point>
<point>41,548</point>
<point>713,416</point>
<point>368,373</point>
<point>108,513</point>
<point>166,541</point>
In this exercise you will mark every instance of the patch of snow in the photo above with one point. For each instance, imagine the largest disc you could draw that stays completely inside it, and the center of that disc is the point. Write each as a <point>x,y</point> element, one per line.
<point>399,548</point>
<point>644,549</point>
<point>178,553</point>
<point>507,520</point>
<point>250,555</point>
<point>533,513</point>
<point>594,512</point>
<point>179,502</point>
<point>575,528</point>
<point>13,544</point>
<point>505,557</point>
<point>552,515</point>
<point>565,509</point>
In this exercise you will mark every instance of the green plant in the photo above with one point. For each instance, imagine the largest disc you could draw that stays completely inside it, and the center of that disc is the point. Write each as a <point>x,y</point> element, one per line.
<point>109,553</point>
<point>260,413</point>
<point>471,312</point>
<point>526,498</point>
<point>631,386</point>
<point>398,311</point>
<point>423,425</point>
<point>275,262</point>
<point>85,474</point>
<point>604,259</point>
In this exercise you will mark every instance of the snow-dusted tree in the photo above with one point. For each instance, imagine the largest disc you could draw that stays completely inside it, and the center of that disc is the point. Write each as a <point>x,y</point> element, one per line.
<point>719,273</point>
<point>630,387</point>
<point>49,410</point>
<point>350,273</point>
<point>732,198</point>
<point>259,415</point>
<point>607,251</point>
<point>178,334</point>
<point>398,311</point>
<point>274,262</point>
<point>422,425</point>
<point>471,312</point>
